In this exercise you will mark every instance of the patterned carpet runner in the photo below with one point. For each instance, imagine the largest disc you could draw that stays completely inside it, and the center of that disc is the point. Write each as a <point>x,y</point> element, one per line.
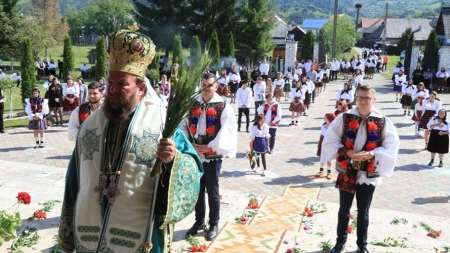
<point>278,217</point>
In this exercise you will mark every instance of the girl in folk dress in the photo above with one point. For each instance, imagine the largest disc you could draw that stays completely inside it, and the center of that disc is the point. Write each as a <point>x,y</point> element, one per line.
<point>421,91</point>
<point>399,80</point>
<point>431,107</point>
<point>260,140</point>
<point>279,84</point>
<point>297,107</point>
<point>234,80</point>
<point>345,94</point>
<point>56,101</point>
<point>418,110</point>
<point>287,87</point>
<point>441,79</point>
<point>222,88</point>
<point>308,87</point>
<point>37,109</point>
<point>438,142</point>
<point>341,108</point>
<point>328,118</point>
<point>71,93</point>
<point>408,90</point>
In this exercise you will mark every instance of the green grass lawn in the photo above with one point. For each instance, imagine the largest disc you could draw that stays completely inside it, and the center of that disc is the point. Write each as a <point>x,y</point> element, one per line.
<point>23,122</point>
<point>348,55</point>
<point>393,59</point>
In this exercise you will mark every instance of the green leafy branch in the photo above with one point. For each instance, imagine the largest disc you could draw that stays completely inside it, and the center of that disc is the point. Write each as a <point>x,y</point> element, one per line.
<point>391,242</point>
<point>397,221</point>
<point>28,238</point>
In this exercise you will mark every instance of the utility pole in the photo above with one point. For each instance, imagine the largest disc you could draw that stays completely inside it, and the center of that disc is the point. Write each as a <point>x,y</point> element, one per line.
<point>333,52</point>
<point>385,28</point>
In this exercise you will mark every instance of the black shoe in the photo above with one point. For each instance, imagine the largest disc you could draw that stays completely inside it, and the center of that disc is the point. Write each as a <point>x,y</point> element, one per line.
<point>363,250</point>
<point>431,162</point>
<point>212,233</point>
<point>440,164</point>
<point>239,129</point>
<point>337,248</point>
<point>248,131</point>
<point>2,131</point>
<point>195,228</point>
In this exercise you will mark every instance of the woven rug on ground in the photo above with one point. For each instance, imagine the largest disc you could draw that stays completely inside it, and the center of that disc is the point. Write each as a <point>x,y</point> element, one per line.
<point>280,212</point>
<point>238,238</point>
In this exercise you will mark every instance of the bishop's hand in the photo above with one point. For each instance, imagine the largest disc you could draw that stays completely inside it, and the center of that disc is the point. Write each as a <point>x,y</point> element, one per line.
<point>166,150</point>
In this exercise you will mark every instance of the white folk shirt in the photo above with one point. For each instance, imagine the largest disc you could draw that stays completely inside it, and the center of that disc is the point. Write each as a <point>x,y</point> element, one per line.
<point>442,74</point>
<point>298,93</point>
<point>269,113</point>
<point>15,77</point>
<point>225,142</point>
<point>432,106</point>
<point>385,156</point>
<point>409,89</point>
<point>419,107</point>
<point>397,69</point>
<point>244,97</point>
<point>349,95</point>
<point>264,68</point>
<point>310,87</point>
<point>263,133</point>
<point>400,79</point>
<point>223,80</point>
<point>434,121</point>
<point>2,75</point>
<point>345,65</point>
<point>358,79</point>
<point>259,91</point>
<point>74,90</point>
<point>323,129</point>
<point>278,83</point>
<point>234,77</point>
<point>424,93</point>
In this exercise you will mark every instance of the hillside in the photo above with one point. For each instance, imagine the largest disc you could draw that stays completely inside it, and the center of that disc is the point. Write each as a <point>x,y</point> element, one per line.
<point>296,10</point>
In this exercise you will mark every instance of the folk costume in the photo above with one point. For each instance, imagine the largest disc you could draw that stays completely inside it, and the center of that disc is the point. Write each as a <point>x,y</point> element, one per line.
<point>71,92</point>
<point>259,137</point>
<point>408,90</point>
<point>346,95</point>
<point>323,129</point>
<point>212,124</point>
<point>37,107</point>
<point>279,86</point>
<point>348,132</point>
<point>430,109</point>
<point>109,192</point>
<point>259,94</point>
<point>273,115</point>
<point>417,115</point>
<point>297,104</point>
<point>222,89</point>
<point>164,88</point>
<point>438,143</point>
<point>419,93</point>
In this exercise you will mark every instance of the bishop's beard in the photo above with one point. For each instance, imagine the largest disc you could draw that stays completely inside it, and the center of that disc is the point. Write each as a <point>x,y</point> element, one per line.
<point>117,110</point>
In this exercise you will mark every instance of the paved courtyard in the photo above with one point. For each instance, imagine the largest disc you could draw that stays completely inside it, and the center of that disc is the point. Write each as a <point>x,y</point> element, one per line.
<point>414,188</point>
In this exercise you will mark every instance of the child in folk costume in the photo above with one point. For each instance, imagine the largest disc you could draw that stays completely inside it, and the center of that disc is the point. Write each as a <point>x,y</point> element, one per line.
<point>431,107</point>
<point>438,142</point>
<point>287,87</point>
<point>260,140</point>
<point>399,80</point>
<point>308,87</point>
<point>223,80</point>
<point>297,107</point>
<point>269,87</point>
<point>328,118</point>
<point>36,109</point>
<point>418,110</point>
<point>345,94</point>
<point>279,85</point>
<point>408,90</point>
<point>421,91</point>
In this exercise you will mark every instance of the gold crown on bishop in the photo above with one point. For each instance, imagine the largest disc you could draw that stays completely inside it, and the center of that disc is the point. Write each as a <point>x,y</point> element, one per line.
<point>130,51</point>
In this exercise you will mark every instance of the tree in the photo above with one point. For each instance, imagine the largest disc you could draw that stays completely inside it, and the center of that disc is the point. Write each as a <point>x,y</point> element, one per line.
<point>252,37</point>
<point>27,69</point>
<point>177,50</point>
<point>195,49</point>
<point>10,25</point>
<point>404,39</point>
<point>100,53</point>
<point>308,46</point>
<point>102,18</point>
<point>345,34</point>
<point>214,50</point>
<point>162,20</point>
<point>229,46</point>
<point>68,57</point>
<point>207,15</point>
<point>431,54</point>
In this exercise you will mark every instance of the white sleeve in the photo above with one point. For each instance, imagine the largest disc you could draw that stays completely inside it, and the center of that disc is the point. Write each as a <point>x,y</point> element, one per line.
<point>332,140</point>
<point>266,129</point>
<point>404,89</point>
<point>252,133</point>
<point>74,124</point>
<point>260,109</point>
<point>64,89</point>
<point>386,155</point>
<point>77,90</point>
<point>338,95</point>
<point>28,109</point>
<point>249,100</point>
<point>225,143</point>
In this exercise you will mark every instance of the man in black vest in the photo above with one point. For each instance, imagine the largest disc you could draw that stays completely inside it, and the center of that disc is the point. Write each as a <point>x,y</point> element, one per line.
<point>212,124</point>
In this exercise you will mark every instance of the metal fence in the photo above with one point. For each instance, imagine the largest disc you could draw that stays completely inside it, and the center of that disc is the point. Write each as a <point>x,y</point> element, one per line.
<point>84,40</point>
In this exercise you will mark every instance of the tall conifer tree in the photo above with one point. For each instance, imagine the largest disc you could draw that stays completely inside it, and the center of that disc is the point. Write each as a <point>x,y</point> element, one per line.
<point>100,52</point>
<point>27,69</point>
<point>195,49</point>
<point>68,57</point>
<point>431,55</point>
<point>214,50</point>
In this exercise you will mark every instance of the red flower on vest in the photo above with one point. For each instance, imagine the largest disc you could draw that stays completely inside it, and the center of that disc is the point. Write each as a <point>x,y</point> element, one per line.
<point>193,129</point>
<point>349,145</point>
<point>353,124</point>
<point>371,146</point>
<point>84,116</point>
<point>197,111</point>
<point>372,126</point>
<point>211,112</point>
